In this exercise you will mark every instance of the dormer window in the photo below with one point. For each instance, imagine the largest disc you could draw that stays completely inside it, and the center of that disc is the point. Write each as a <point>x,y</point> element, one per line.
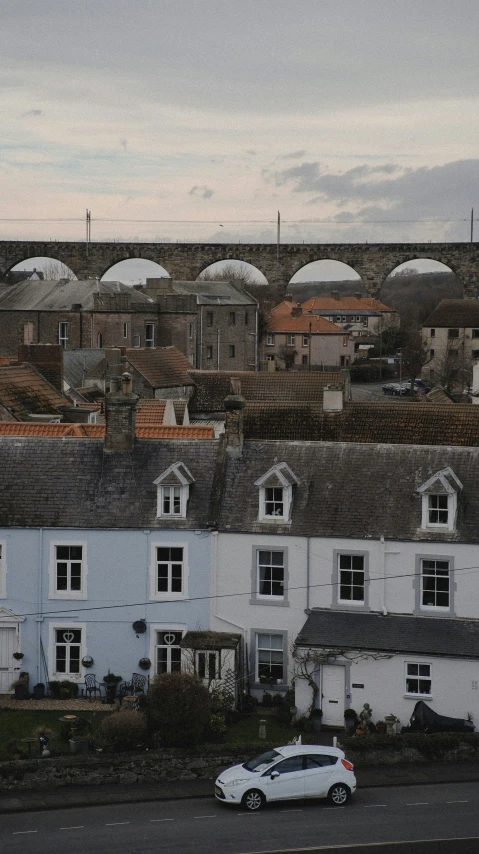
<point>173,491</point>
<point>439,501</point>
<point>276,493</point>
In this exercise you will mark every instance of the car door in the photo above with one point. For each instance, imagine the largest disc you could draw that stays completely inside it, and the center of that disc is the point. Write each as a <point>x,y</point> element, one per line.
<point>285,779</point>
<point>317,774</point>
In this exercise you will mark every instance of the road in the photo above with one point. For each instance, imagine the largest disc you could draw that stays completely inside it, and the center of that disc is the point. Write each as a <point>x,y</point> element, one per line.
<point>365,392</point>
<point>409,814</point>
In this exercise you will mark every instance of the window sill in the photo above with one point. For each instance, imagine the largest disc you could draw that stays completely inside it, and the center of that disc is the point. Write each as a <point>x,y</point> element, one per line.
<point>168,597</point>
<point>266,686</point>
<point>281,603</point>
<point>417,697</point>
<point>82,596</point>
<point>274,520</point>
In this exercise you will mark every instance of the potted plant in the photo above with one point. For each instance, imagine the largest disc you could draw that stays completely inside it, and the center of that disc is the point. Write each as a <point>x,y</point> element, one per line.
<point>350,718</point>
<point>39,691</point>
<point>20,687</point>
<point>18,656</point>
<point>381,727</point>
<point>111,682</point>
<point>316,716</point>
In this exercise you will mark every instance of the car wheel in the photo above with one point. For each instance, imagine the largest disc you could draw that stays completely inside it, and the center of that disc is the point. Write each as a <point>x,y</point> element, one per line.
<point>253,800</point>
<point>338,794</point>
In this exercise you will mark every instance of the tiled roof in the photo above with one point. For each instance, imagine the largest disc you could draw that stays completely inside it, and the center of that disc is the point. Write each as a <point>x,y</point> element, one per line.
<point>344,303</point>
<point>418,635</point>
<point>213,386</point>
<point>284,307</point>
<point>95,431</point>
<point>351,489</point>
<point>162,367</point>
<point>454,313</point>
<point>401,423</point>
<point>23,390</point>
<point>304,323</point>
<point>77,485</point>
<point>61,294</point>
<point>150,412</point>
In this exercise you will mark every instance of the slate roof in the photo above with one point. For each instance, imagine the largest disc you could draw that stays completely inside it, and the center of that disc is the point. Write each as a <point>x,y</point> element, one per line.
<point>83,486</point>
<point>23,390</point>
<point>77,364</point>
<point>402,634</point>
<point>214,293</point>
<point>213,386</point>
<point>351,489</point>
<point>402,422</point>
<point>454,313</point>
<point>60,295</point>
<point>162,367</point>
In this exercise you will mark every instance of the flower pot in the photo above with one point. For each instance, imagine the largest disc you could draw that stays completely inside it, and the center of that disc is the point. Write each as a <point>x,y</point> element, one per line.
<point>350,724</point>
<point>21,692</point>
<point>39,691</point>
<point>111,692</point>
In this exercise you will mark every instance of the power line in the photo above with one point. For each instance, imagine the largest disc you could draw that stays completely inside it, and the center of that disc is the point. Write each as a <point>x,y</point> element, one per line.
<point>223,595</point>
<point>241,221</point>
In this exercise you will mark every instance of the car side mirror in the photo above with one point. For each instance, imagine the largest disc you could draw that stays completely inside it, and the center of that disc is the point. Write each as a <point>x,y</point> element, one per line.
<point>274,774</point>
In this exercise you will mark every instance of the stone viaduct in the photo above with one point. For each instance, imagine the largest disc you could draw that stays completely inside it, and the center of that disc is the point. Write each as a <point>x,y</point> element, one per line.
<point>372,261</point>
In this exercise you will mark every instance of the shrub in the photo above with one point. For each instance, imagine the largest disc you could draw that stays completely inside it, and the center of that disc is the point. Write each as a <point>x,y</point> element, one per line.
<point>178,709</point>
<point>267,699</point>
<point>216,728</point>
<point>125,729</point>
<point>64,690</point>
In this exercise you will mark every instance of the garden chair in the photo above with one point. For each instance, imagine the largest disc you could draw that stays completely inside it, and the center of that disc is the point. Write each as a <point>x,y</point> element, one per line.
<point>91,685</point>
<point>135,686</point>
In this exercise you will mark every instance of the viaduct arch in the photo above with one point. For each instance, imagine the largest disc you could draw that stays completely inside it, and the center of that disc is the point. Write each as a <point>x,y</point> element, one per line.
<point>372,261</point>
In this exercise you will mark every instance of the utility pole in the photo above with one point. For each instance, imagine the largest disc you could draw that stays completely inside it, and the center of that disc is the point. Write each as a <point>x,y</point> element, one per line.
<point>309,347</point>
<point>380,347</point>
<point>278,236</point>
<point>88,229</point>
<point>472,225</point>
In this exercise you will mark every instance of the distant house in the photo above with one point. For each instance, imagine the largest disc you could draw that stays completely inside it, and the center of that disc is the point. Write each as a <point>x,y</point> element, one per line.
<point>451,340</point>
<point>75,314</point>
<point>297,338</point>
<point>362,316</point>
<point>215,324</point>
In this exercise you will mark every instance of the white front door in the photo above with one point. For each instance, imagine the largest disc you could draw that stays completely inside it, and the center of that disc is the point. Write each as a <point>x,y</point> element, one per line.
<point>332,690</point>
<point>7,662</point>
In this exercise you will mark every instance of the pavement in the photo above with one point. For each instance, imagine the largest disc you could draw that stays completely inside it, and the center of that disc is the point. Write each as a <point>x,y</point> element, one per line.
<point>15,801</point>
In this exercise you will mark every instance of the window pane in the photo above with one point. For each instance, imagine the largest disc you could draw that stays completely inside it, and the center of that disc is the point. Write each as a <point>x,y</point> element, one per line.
<point>63,553</point>
<point>176,554</point>
<point>413,669</point>
<point>74,659</point>
<point>292,763</point>
<point>76,576</point>
<point>62,576</point>
<point>424,670</point>
<point>61,658</point>
<point>175,659</point>
<point>166,500</point>
<point>161,660</point>
<point>162,554</point>
<point>75,552</point>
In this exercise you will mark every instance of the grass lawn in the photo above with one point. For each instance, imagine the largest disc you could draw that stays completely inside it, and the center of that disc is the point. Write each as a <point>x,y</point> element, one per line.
<point>246,730</point>
<point>17,724</point>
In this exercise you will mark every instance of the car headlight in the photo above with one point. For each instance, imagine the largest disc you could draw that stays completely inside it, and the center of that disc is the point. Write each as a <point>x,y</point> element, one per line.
<point>236,782</point>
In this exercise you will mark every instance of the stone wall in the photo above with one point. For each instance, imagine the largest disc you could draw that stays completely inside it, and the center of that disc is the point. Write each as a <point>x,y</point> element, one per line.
<point>372,261</point>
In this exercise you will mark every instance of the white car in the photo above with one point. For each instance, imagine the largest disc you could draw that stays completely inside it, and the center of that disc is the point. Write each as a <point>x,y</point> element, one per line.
<point>290,772</point>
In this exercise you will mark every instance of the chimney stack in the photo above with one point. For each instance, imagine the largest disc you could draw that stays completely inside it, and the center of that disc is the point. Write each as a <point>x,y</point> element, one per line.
<point>234,416</point>
<point>47,359</point>
<point>158,287</point>
<point>333,398</point>
<point>335,294</point>
<point>296,311</point>
<point>120,415</point>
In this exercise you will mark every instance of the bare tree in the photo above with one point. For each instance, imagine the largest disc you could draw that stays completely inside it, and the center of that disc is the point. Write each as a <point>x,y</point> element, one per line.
<point>237,272</point>
<point>415,353</point>
<point>55,270</point>
<point>452,369</point>
<point>287,355</point>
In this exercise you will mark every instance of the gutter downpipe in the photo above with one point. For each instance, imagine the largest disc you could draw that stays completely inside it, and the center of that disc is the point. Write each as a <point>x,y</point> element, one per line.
<point>39,617</point>
<point>218,349</point>
<point>256,343</point>
<point>200,366</point>
<point>214,576</point>
<point>308,573</point>
<point>383,573</point>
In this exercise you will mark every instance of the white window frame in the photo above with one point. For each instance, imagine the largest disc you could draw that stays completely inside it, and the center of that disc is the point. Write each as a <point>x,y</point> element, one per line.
<point>232,351</point>
<point>270,339</point>
<point>435,608</point>
<point>154,628</point>
<point>63,338</point>
<point>360,603</point>
<point>217,665</point>
<point>3,569</point>
<point>150,335</point>
<point>290,339</point>
<point>209,352</point>
<point>164,630</point>
<point>286,501</point>
<point>190,331</point>
<point>451,512</point>
<point>305,340</point>
<point>270,597</point>
<point>162,596</point>
<point>183,478</point>
<point>283,478</point>
<point>65,624</point>
<point>166,493</point>
<point>271,649</point>
<point>53,593</point>
<point>99,341</point>
<point>137,341</point>
<point>125,329</point>
<point>417,664</point>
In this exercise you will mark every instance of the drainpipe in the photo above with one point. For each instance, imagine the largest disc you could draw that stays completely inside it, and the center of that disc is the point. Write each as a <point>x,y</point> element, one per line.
<point>91,331</point>
<point>256,340</point>
<point>218,349</point>
<point>308,539</point>
<point>200,366</point>
<point>214,586</point>
<point>39,617</point>
<point>383,574</point>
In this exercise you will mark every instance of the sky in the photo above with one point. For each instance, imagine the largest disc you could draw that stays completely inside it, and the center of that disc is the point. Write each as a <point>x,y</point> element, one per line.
<point>354,118</point>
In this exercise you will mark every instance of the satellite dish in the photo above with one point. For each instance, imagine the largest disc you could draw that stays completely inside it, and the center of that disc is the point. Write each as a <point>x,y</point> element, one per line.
<point>139,627</point>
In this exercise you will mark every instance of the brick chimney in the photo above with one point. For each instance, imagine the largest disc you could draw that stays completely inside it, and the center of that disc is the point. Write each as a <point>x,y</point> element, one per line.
<point>234,416</point>
<point>333,398</point>
<point>47,359</point>
<point>120,414</point>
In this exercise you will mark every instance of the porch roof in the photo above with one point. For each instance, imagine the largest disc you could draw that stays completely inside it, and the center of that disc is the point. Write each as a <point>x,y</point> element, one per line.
<point>210,640</point>
<point>438,636</point>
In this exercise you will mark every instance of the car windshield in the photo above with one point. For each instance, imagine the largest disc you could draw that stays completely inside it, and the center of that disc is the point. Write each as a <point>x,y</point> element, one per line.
<point>260,763</point>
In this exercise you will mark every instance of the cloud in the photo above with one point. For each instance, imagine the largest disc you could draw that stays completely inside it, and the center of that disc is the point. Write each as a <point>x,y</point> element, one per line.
<point>32,113</point>
<point>202,191</point>
<point>293,155</point>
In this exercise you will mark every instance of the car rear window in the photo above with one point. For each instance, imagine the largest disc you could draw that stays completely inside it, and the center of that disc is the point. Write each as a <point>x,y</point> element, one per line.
<point>320,760</point>
<point>261,762</point>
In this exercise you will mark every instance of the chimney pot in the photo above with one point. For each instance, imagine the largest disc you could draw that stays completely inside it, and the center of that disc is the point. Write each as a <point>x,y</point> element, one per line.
<point>234,416</point>
<point>126,383</point>
<point>120,415</point>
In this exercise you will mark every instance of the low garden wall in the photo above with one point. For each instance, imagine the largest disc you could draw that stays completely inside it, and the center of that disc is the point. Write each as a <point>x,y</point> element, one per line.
<point>207,762</point>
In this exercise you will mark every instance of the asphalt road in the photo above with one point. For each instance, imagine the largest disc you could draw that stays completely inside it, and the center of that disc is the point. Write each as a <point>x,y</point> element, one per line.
<point>440,819</point>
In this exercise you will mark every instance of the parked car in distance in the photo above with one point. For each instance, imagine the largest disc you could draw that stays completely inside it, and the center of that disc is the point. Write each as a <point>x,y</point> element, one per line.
<point>400,389</point>
<point>292,772</point>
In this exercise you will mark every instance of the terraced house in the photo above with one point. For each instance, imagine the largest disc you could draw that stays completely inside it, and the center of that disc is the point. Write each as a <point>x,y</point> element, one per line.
<point>343,563</point>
